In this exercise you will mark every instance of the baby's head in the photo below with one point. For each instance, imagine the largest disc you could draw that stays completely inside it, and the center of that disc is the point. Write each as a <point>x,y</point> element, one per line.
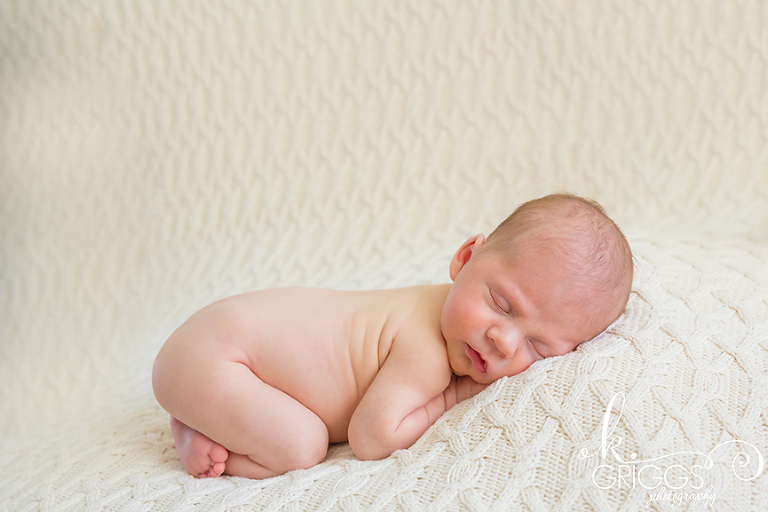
<point>555,273</point>
<point>581,242</point>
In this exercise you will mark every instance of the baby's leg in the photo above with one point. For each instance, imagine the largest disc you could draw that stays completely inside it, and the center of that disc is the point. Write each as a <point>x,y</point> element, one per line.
<point>265,431</point>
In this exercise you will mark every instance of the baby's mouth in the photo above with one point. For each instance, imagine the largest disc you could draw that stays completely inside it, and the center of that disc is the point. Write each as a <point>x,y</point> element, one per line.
<point>478,362</point>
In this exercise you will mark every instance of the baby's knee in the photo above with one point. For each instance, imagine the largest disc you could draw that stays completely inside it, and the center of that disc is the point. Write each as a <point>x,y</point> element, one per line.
<point>306,452</point>
<point>313,456</point>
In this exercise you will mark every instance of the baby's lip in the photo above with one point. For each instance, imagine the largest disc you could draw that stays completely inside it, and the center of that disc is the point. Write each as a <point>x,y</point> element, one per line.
<point>478,362</point>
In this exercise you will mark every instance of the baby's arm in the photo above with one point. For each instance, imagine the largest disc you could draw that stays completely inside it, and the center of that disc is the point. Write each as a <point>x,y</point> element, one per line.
<point>410,392</point>
<point>459,390</point>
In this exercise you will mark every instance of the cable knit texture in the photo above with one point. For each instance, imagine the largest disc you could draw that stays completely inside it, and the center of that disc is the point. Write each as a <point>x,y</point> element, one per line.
<point>156,155</point>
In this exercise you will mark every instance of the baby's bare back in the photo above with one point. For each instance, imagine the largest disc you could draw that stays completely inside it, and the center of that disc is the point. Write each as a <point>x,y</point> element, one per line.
<point>321,347</point>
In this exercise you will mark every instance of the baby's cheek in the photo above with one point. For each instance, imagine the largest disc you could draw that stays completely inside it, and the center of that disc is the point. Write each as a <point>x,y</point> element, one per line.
<point>464,317</point>
<point>452,321</point>
<point>518,366</point>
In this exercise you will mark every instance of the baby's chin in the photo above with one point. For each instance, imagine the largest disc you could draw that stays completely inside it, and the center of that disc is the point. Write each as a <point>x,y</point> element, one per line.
<point>483,379</point>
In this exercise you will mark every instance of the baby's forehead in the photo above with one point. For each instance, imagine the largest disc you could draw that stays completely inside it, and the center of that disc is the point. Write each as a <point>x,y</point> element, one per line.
<point>569,267</point>
<point>544,244</point>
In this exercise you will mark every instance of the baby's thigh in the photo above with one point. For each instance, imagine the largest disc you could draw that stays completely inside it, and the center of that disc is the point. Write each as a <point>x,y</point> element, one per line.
<point>253,418</point>
<point>227,402</point>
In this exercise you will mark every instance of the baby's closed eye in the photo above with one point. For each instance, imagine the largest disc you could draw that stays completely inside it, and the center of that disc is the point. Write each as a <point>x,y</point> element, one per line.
<point>498,303</point>
<point>534,345</point>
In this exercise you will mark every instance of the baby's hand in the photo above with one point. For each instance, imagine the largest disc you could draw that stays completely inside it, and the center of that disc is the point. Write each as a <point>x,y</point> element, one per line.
<point>460,389</point>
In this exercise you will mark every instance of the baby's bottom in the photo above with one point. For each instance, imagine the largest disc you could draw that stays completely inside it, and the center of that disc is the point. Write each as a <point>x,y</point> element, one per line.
<point>226,419</point>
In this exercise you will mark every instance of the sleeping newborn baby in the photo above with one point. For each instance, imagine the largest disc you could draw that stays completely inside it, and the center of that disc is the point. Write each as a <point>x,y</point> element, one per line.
<point>259,384</point>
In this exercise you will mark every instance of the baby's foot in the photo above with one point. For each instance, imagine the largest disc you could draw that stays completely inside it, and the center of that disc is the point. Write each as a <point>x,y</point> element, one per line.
<point>199,455</point>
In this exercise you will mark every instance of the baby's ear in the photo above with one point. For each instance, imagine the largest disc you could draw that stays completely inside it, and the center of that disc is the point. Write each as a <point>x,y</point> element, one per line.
<point>464,253</point>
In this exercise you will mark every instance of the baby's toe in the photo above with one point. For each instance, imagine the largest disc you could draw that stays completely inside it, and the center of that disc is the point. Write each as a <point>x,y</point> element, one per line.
<point>217,469</point>
<point>218,453</point>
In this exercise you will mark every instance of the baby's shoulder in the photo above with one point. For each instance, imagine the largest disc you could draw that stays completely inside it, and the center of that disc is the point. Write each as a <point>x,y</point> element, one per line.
<point>419,340</point>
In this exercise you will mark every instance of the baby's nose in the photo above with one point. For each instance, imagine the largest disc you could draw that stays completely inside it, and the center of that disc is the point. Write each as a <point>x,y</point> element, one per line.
<point>506,340</point>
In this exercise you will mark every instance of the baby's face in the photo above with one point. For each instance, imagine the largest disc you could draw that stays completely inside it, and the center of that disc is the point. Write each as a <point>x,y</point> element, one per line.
<point>503,314</point>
